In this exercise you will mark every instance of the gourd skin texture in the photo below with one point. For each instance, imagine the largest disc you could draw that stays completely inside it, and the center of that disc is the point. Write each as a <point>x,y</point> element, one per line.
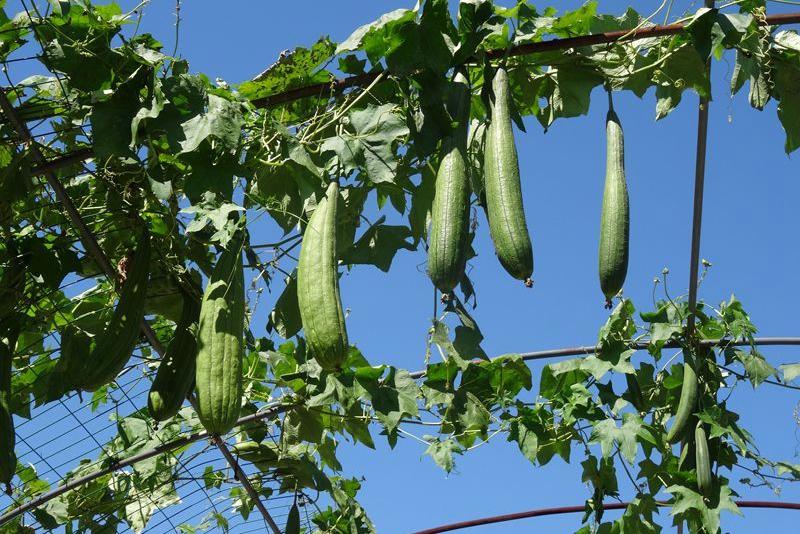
<point>615,217</point>
<point>503,189</point>
<point>318,286</point>
<point>8,460</point>
<point>448,244</point>
<point>114,348</point>
<point>218,374</point>
<point>175,375</point>
<point>702,459</point>
<point>686,404</point>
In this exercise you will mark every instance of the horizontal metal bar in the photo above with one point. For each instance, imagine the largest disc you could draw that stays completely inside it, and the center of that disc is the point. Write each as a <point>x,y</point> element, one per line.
<point>586,350</point>
<point>66,160</point>
<point>337,86</point>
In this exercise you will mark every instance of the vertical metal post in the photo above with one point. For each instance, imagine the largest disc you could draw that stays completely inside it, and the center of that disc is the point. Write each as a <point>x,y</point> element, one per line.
<point>699,184</point>
<point>697,210</point>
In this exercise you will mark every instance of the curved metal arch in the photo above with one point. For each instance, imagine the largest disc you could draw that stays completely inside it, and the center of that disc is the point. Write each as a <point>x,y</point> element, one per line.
<point>577,509</point>
<point>278,407</point>
<point>269,410</point>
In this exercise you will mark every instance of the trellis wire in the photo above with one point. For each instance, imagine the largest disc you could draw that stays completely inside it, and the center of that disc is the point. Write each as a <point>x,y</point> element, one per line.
<point>268,410</point>
<point>91,244</point>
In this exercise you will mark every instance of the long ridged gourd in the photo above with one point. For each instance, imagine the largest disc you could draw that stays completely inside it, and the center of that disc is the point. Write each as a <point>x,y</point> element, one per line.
<point>8,460</point>
<point>702,459</point>
<point>448,241</point>
<point>686,404</point>
<point>615,217</point>
<point>318,286</point>
<point>114,347</point>
<point>175,375</point>
<point>218,374</point>
<point>503,188</point>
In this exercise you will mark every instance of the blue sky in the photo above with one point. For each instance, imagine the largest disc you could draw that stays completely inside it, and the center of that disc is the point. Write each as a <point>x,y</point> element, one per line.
<point>749,234</point>
<point>749,223</point>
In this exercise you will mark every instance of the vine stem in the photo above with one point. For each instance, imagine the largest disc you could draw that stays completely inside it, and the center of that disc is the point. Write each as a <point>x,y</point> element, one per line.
<point>177,26</point>
<point>344,110</point>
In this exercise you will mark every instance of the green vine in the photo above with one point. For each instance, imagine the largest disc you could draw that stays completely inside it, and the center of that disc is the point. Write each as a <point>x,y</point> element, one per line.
<point>184,157</point>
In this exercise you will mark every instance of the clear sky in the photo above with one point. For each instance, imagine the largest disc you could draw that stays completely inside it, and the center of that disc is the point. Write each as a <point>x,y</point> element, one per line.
<point>750,234</point>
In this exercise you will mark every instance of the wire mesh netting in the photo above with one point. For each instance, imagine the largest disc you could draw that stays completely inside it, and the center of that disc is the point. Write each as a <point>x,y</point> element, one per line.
<point>92,440</point>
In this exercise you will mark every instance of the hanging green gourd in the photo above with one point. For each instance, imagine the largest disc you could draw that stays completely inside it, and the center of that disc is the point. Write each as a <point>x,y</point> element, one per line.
<point>220,343</point>
<point>615,217</point>
<point>448,242</point>
<point>504,206</point>
<point>318,286</point>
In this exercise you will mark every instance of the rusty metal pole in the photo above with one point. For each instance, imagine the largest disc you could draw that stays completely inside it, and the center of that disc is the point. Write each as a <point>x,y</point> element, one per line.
<point>697,210</point>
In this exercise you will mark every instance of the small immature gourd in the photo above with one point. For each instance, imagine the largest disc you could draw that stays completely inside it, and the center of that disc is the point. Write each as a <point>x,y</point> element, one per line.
<point>686,404</point>
<point>702,459</point>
